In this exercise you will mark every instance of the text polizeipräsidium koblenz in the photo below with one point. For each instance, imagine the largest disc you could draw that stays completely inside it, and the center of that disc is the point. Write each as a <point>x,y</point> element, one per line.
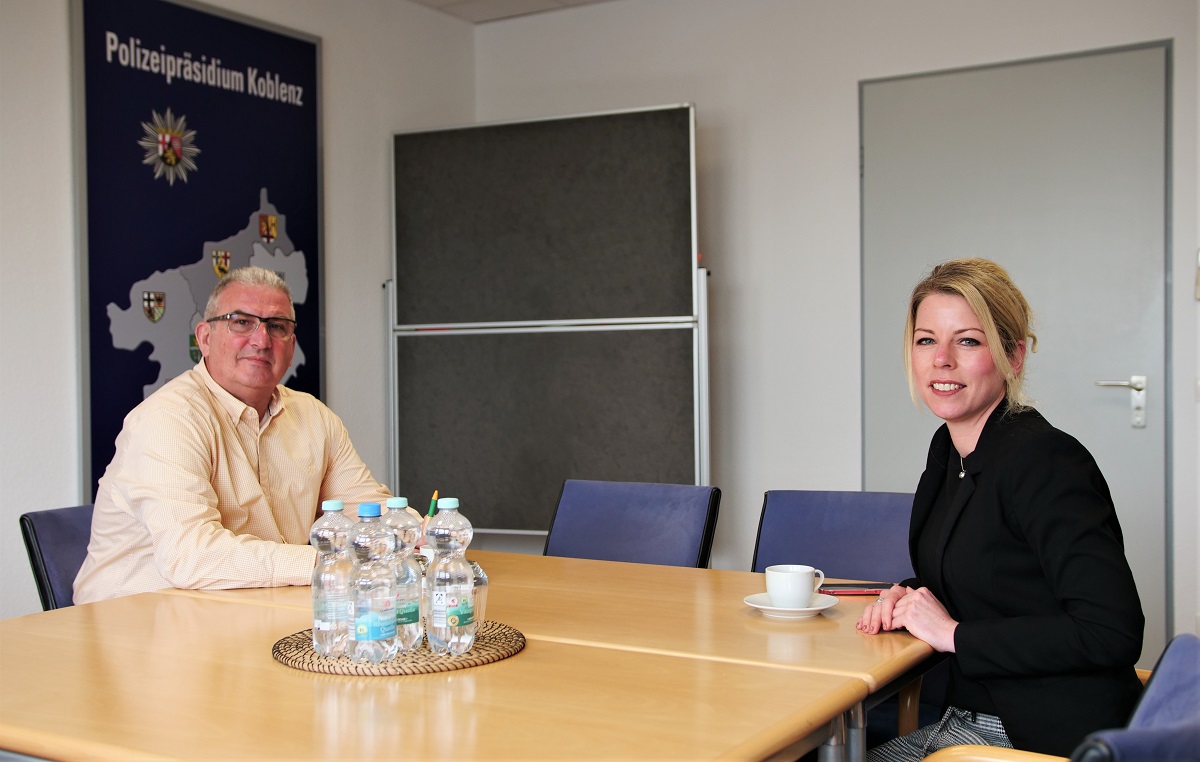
<point>206,71</point>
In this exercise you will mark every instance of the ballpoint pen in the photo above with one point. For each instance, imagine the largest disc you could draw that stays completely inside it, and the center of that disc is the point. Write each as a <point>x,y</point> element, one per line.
<point>432,504</point>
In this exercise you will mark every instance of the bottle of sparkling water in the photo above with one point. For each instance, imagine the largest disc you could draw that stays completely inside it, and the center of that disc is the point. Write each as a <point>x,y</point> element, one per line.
<point>449,582</point>
<point>480,594</point>
<point>331,580</point>
<point>373,588</point>
<point>407,530</point>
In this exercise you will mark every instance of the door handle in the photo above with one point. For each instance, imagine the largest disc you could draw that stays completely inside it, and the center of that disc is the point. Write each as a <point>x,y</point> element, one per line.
<point>1137,397</point>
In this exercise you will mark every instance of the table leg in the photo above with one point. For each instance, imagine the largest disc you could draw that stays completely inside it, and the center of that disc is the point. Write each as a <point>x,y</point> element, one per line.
<point>856,734</point>
<point>909,707</point>
<point>834,749</point>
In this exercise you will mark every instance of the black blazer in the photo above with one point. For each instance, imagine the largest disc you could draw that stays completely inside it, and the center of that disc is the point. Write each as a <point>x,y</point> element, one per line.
<point>1033,568</point>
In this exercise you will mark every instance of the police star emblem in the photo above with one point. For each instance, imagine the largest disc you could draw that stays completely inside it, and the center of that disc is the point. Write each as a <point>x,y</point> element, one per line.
<point>154,305</point>
<point>170,147</point>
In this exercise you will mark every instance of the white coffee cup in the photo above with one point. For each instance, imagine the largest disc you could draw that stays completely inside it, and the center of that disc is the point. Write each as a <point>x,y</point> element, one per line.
<point>791,586</point>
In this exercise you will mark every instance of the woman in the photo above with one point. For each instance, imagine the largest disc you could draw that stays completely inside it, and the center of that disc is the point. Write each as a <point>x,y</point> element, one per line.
<point>1020,569</point>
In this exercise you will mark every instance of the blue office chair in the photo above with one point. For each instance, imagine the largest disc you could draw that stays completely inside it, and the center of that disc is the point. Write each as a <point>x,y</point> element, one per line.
<point>858,536</point>
<point>667,524</point>
<point>1165,726</point>
<point>851,535</point>
<point>56,541</point>
<point>1166,722</point>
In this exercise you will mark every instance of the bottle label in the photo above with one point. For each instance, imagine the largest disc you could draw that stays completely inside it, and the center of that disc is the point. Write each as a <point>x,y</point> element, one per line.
<point>407,612</point>
<point>330,613</point>
<point>375,625</point>
<point>452,609</point>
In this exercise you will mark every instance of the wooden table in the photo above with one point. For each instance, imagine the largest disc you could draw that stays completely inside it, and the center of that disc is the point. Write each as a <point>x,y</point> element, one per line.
<point>189,675</point>
<point>691,612</point>
<point>673,611</point>
<point>698,613</point>
<point>702,613</point>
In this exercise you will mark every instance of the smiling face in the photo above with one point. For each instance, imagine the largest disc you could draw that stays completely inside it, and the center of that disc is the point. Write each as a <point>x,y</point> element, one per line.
<point>953,368</point>
<point>248,367</point>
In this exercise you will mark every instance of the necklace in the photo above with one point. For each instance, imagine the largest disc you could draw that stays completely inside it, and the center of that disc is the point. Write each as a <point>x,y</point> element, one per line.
<point>962,467</point>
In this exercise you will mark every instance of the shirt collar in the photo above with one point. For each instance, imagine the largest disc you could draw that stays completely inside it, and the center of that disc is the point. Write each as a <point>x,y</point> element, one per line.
<point>231,404</point>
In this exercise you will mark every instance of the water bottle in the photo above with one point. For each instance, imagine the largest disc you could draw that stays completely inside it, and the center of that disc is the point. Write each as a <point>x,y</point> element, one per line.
<point>331,580</point>
<point>409,576</point>
<point>373,588</point>
<point>479,592</point>
<point>449,582</point>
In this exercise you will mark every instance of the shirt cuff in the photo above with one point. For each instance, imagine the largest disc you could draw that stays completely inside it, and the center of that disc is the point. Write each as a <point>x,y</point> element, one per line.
<point>294,565</point>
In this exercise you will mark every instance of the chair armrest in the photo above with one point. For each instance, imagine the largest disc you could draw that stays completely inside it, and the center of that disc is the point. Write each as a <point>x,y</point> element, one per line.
<point>989,754</point>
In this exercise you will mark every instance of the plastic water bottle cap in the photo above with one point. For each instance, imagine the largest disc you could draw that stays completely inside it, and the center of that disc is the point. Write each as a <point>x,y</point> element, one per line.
<point>397,502</point>
<point>332,505</point>
<point>368,510</point>
<point>447,502</point>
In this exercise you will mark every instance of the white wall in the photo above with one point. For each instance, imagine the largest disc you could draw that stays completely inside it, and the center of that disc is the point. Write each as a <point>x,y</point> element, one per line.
<point>1189,531</point>
<point>775,87</point>
<point>387,65</point>
<point>39,339</point>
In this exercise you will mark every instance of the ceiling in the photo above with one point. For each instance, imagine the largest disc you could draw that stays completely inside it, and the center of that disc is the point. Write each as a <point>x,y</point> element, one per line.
<point>481,11</point>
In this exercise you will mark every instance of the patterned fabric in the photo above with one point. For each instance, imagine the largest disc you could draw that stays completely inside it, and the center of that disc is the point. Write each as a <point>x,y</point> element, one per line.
<point>201,494</point>
<point>956,728</point>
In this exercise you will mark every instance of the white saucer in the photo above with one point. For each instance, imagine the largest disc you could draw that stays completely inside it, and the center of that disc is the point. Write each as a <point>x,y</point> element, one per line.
<point>820,602</point>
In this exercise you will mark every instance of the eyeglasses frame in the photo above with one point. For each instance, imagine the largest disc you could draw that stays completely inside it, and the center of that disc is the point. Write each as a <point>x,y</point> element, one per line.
<point>261,321</point>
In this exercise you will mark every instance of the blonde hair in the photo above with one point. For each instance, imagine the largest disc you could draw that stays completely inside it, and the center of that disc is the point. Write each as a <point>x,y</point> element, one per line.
<point>247,276</point>
<point>999,305</point>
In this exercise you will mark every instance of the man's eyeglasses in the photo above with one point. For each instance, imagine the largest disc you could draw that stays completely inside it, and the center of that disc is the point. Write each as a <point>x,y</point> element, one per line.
<point>244,324</point>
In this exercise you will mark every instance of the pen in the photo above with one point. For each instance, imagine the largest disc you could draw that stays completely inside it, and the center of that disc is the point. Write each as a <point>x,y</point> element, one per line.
<point>432,504</point>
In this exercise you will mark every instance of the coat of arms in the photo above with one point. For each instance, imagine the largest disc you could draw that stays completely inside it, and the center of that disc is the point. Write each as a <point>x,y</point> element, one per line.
<point>268,227</point>
<point>220,262</point>
<point>154,304</point>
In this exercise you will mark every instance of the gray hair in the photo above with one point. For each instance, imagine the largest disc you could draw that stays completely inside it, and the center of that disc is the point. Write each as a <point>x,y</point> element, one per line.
<point>247,276</point>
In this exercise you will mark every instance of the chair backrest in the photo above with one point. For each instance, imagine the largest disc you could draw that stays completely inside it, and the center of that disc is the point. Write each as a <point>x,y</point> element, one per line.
<point>1165,725</point>
<point>56,541</point>
<point>851,535</point>
<point>667,524</point>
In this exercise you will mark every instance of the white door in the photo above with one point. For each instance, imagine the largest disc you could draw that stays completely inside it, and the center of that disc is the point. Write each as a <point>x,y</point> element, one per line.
<point>1056,169</point>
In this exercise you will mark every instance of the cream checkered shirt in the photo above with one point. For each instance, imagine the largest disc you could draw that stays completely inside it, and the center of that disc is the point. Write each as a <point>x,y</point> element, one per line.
<point>199,495</point>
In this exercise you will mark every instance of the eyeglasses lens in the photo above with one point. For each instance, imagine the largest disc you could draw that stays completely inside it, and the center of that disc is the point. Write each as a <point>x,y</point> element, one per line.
<point>244,325</point>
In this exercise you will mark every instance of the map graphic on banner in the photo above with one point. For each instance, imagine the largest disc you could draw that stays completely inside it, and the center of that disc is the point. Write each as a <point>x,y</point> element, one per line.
<point>165,307</point>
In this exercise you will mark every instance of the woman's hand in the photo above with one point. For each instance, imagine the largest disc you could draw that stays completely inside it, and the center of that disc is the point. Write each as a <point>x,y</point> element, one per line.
<point>878,616</point>
<point>924,616</point>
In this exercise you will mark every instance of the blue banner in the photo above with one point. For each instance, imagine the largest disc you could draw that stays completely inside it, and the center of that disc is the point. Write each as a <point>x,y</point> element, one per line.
<point>202,145</point>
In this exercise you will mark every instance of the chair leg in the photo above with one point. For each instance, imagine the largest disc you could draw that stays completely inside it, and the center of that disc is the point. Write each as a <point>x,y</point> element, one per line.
<point>908,711</point>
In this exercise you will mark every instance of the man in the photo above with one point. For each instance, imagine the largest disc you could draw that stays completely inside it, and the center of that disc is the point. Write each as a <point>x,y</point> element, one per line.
<point>219,474</point>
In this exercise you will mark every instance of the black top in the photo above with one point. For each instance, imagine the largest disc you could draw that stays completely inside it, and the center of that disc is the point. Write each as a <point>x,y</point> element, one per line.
<point>1033,568</point>
<point>962,691</point>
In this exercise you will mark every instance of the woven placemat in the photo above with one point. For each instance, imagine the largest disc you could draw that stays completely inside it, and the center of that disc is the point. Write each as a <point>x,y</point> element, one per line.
<point>493,641</point>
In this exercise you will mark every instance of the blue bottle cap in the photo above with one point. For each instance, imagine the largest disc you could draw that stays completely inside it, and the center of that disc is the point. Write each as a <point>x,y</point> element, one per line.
<point>368,510</point>
<point>397,502</point>
<point>447,502</point>
<point>332,505</point>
